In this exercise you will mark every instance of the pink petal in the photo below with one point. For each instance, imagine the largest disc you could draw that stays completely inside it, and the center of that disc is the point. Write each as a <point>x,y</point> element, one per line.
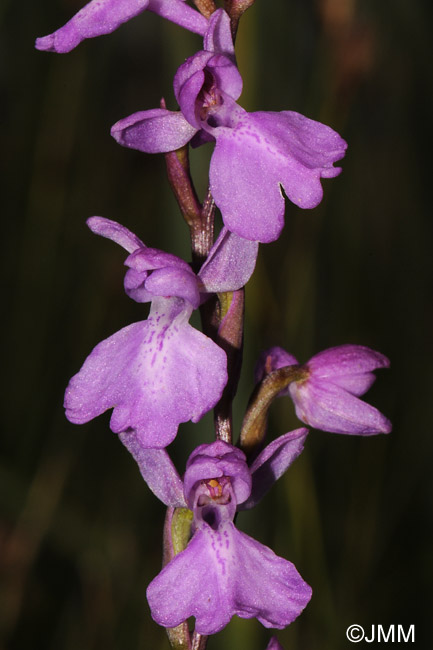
<point>218,37</point>
<point>230,263</point>
<point>154,131</point>
<point>104,16</point>
<point>94,19</point>
<point>272,462</point>
<point>325,406</point>
<point>174,282</point>
<point>344,360</point>
<point>117,233</point>
<point>157,469</point>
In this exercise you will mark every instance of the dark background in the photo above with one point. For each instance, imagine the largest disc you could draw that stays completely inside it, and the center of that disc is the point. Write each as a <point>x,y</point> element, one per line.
<point>79,530</point>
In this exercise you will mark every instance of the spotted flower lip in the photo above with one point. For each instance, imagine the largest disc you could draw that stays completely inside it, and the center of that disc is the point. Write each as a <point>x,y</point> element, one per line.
<point>158,373</point>
<point>327,398</point>
<point>104,16</point>
<point>222,572</point>
<point>255,153</point>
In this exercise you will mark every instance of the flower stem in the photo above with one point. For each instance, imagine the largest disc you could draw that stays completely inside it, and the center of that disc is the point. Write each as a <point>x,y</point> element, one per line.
<point>179,177</point>
<point>235,9</point>
<point>202,231</point>
<point>254,424</point>
<point>199,642</point>
<point>230,339</point>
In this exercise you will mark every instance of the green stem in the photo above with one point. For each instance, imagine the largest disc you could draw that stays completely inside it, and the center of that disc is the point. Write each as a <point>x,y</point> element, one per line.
<point>177,530</point>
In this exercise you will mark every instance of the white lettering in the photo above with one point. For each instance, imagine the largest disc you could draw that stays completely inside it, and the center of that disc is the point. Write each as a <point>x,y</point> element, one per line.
<point>401,636</point>
<point>385,637</point>
<point>372,636</point>
<point>391,634</point>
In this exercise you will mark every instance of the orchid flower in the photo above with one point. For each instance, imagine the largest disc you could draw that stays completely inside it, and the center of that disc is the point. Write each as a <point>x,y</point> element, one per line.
<point>255,154</point>
<point>222,572</point>
<point>327,395</point>
<point>160,372</point>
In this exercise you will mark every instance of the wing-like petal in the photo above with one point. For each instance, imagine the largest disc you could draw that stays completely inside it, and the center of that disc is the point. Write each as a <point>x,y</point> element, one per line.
<point>230,263</point>
<point>272,462</point>
<point>218,37</point>
<point>348,366</point>
<point>174,282</point>
<point>117,233</point>
<point>328,407</point>
<point>104,16</point>
<point>94,19</point>
<point>154,131</point>
<point>157,469</point>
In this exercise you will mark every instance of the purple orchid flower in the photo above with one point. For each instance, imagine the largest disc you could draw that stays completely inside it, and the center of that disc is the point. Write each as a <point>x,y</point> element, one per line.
<point>104,16</point>
<point>327,397</point>
<point>160,372</point>
<point>222,571</point>
<point>255,153</point>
